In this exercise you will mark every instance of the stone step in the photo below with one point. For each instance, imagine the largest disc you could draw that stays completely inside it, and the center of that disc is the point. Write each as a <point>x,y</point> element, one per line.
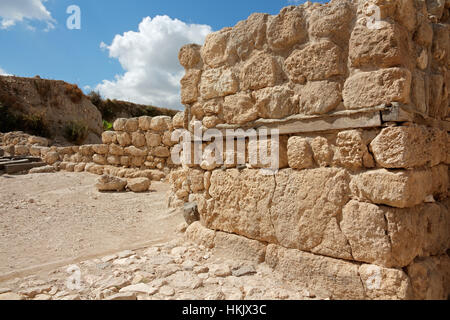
<point>14,168</point>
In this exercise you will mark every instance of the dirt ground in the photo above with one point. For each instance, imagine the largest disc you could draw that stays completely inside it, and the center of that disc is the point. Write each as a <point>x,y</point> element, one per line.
<point>51,220</point>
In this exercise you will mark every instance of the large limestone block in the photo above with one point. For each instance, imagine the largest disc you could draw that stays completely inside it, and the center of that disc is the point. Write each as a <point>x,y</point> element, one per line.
<point>109,137</point>
<point>189,56</point>
<point>319,97</point>
<point>124,139</point>
<point>369,89</point>
<point>119,124</point>
<point>189,86</point>
<point>153,139</point>
<point>161,123</point>
<point>214,52</point>
<point>178,120</point>
<point>409,147</point>
<point>132,125</point>
<point>393,237</point>
<point>218,82</point>
<point>287,28</point>
<point>138,184</point>
<point>109,183</point>
<point>239,109</point>
<point>86,150</point>
<point>196,233</point>
<point>248,35</point>
<point>145,123</point>
<point>260,71</point>
<point>251,192</point>
<point>238,247</point>
<point>332,21</point>
<point>99,159</point>
<point>323,151</point>
<point>135,152</point>
<point>38,141</point>
<point>337,279</point>
<point>275,102</point>
<point>400,189</point>
<point>305,210</point>
<point>138,139</point>
<point>317,61</point>
<point>115,150</point>
<point>297,209</point>
<point>100,148</point>
<point>382,48</point>
<point>430,278</point>
<point>226,244</point>
<point>113,160</point>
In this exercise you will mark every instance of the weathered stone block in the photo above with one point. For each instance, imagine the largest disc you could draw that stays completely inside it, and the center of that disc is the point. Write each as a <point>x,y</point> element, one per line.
<point>320,97</point>
<point>400,189</point>
<point>189,86</point>
<point>239,109</point>
<point>189,55</point>
<point>119,124</point>
<point>383,48</point>
<point>124,139</point>
<point>109,137</point>
<point>218,83</point>
<point>145,122</point>
<point>115,150</point>
<point>132,125</point>
<point>275,102</point>
<point>100,148</point>
<point>369,89</point>
<point>300,155</point>
<point>287,28</point>
<point>317,61</point>
<point>260,71</point>
<point>409,147</point>
<point>161,123</point>
<point>138,139</point>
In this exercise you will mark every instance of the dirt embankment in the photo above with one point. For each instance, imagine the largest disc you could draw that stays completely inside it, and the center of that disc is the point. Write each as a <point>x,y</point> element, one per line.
<point>47,106</point>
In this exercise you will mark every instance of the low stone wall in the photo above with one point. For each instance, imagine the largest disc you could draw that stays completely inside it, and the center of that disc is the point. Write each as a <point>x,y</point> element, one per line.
<point>137,147</point>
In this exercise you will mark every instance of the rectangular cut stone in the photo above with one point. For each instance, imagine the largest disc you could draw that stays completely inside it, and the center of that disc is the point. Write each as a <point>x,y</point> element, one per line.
<point>337,278</point>
<point>409,147</point>
<point>310,210</point>
<point>395,237</point>
<point>369,89</point>
<point>400,189</point>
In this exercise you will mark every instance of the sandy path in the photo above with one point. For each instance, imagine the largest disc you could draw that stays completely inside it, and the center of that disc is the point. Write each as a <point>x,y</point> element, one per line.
<point>53,219</point>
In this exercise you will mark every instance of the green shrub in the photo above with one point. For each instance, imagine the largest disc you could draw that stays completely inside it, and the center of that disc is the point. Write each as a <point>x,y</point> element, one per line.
<point>76,132</point>
<point>107,125</point>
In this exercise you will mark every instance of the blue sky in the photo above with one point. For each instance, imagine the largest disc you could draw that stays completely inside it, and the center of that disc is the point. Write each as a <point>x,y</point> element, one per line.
<point>41,44</point>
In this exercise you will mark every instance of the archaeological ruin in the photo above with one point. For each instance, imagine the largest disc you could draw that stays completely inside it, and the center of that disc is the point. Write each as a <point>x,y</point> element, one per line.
<point>359,92</point>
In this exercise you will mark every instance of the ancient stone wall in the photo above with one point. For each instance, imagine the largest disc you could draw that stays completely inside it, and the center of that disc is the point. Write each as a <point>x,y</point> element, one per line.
<point>359,207</point>
<point>320,59</point>
<point>137,147</point>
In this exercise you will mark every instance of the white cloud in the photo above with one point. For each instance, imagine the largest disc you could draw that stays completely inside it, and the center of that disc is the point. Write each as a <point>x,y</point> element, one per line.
<point>3,72</point>
<point>14,11</point>
<point>150,60</point>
